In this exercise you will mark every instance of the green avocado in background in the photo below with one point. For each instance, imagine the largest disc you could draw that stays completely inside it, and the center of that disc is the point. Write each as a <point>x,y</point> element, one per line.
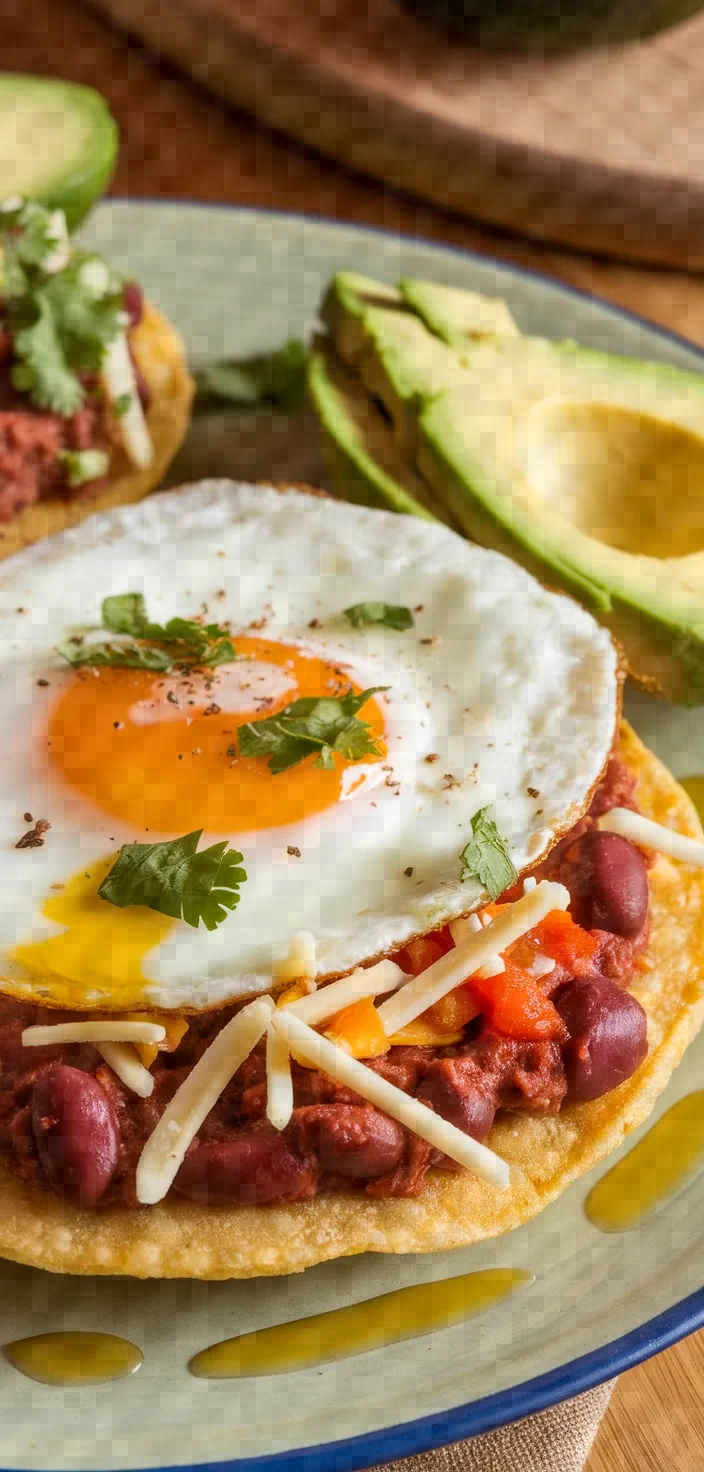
<point>585,467</point>
<point>58,143</point>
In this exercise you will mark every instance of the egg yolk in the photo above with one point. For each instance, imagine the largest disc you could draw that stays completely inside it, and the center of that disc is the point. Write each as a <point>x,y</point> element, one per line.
<point>98,956</point>
<point>159,751</point>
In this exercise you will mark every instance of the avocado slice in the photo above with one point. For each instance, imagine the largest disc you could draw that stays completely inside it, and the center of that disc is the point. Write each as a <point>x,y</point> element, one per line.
<point>585,467</point>
<point>58,143</point>
<point>455,315</point>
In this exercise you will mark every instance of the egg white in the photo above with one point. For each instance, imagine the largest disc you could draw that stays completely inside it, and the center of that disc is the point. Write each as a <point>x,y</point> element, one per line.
<point>509,686</point>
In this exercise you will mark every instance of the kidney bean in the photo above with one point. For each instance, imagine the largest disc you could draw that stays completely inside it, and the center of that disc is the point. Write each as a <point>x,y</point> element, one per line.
<point>451,1088</point>
<point>76,1133</point>
<point>607,1036</point>
<point>254,1167</point>
<point>352,1139</point>
<point>614,887</point>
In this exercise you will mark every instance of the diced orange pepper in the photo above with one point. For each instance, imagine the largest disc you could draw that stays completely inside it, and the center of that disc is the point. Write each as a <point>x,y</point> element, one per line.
<point>516,1005</point>
<point>453,1011</point>
<point>176,1029</point>
<point>420,1034</point>
<point>358,1029</point>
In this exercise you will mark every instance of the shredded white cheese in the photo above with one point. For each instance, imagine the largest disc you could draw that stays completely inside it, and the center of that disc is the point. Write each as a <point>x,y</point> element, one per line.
<point>279,1083</point>
<point>123,1061</point>
<point>328,1000</point>
<point>301,962</point>
<point>461,930</point>
<point>541,966</point>
<point>529,884</point>
<point>121,383</point>
<point>653,835</point>
<point>494,967</point>
<point>94,1031</point>
<point>179,1124</point>
<point>511,922</point>
<point>321,1053</point>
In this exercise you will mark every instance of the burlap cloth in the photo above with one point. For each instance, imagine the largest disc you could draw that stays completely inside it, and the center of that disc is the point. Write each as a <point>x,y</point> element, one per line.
<point>556,1440</point>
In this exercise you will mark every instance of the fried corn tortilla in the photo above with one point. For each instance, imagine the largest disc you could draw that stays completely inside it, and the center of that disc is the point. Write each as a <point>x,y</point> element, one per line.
<point>161,356</point>
<point>178,1239</point>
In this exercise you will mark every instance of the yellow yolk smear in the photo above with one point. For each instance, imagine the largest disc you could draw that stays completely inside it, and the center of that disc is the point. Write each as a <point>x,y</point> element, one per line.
<point>97,960</point>
<point>159,751</point>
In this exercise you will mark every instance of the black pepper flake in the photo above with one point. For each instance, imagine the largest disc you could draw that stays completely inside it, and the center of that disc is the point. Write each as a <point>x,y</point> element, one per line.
<point>231,750</point>
<point>314,623</point>
<point>28,818</point>
<point>172,698</point>
<point>35,837</point>
<point>419,608</point>
<point>294,852</point>
<point>212,710</point>
<point>532,792</point>
<point>408,872</point>
<point>449,781</point>
<point>433,756</point>
<point>43,683</point>
<point>21,610</point>
<point>119,725</point>
<point>432,639</point>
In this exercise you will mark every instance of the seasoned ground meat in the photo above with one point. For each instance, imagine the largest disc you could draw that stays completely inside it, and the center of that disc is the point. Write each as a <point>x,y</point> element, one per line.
<point>335,1139</point>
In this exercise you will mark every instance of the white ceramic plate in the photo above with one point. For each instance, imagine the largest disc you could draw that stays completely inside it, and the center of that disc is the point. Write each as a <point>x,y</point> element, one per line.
<point>237,281</point>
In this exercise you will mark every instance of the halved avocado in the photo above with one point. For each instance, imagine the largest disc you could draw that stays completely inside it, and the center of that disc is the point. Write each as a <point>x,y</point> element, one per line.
<point>58,143</point>
<point>585,467</point>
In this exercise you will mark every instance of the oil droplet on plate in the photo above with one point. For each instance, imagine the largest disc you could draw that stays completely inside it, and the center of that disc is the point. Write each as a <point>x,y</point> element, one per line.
<point>694,787</point>
<point>404,1314</point>
<point>74,1358</point>
<point>660,1166</point>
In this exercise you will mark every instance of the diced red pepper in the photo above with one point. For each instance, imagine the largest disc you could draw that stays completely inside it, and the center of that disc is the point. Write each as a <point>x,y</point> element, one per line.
<point>420,953</point>
<point>567,943</point>
<point>516,1005</point>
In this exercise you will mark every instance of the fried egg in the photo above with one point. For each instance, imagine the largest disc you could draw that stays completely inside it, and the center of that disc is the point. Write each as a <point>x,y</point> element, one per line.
<point>501,693</point>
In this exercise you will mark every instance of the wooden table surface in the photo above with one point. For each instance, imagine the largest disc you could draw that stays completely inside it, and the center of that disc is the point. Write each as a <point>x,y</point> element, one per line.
<point>178,142</point>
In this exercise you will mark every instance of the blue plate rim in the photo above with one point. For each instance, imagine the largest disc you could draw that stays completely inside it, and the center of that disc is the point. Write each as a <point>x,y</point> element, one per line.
<point>472,1418</point>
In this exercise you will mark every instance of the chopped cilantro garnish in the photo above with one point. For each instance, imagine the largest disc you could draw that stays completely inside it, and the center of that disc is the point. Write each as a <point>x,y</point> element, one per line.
<point>175,880</point>
<point>119,656</point>
<point>388,614</point>
<point>277,378</point>
<point>183,641</point>
<point>486,856</point>
<point>60,327</point>
<point>326,724</point>
<point>84,465</point>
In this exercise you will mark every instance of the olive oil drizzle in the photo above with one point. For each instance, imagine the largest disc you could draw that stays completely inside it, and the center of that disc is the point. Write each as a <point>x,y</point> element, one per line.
<point>403,1314</point>
<point>666,1160</point>
<point>74,1358</point>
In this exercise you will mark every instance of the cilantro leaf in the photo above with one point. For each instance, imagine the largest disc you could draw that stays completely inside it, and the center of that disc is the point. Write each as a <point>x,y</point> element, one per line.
<point>42,370</point>
<point>125,613</point>
<point>175,880</point>
<point>390,615</point>
<point>83,466</point>
<point>326,724</point>
<point>187,640</point>
<point>277,378</point>
<point>61,325</point>
<point>119,656</point>
<point>486,857</point>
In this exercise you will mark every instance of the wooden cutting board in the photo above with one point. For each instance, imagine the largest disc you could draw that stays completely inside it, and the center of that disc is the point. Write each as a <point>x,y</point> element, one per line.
<point>603,150</point>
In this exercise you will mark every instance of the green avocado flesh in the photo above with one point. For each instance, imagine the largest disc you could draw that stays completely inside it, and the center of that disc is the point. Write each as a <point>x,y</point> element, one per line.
<point>58,143</point>
<point>585,467</point>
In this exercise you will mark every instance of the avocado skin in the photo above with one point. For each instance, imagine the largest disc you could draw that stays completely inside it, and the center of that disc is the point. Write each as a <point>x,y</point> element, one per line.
<point>662,634</point>
<point>545,26</point>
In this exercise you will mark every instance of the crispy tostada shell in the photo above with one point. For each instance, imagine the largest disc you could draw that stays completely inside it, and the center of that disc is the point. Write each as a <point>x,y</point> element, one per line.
<point>178,1239</point>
